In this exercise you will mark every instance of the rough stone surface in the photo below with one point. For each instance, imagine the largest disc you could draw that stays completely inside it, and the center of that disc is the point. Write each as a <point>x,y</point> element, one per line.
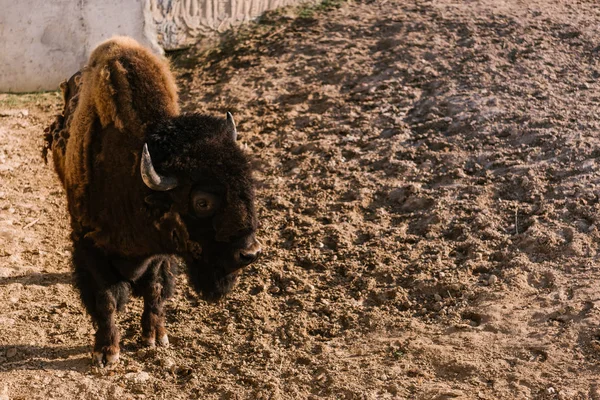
<point>40,49</point>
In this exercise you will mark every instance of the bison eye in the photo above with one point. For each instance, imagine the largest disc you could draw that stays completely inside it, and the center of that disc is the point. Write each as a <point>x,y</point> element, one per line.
<point>204,204</point>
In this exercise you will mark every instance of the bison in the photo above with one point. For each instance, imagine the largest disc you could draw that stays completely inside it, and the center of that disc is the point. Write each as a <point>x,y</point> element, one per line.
<point>147,187</point>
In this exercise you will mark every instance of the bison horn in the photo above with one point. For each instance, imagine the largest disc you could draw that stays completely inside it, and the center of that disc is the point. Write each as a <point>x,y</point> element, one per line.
<point>151,178</point>
<point>231,126</point>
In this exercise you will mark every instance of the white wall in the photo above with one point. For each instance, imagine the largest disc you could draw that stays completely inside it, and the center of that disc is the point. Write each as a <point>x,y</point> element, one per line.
<point>44,42</point>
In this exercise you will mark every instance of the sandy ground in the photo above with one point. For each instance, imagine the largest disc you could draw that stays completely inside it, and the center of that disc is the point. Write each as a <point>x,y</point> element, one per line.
<point>429,197</point>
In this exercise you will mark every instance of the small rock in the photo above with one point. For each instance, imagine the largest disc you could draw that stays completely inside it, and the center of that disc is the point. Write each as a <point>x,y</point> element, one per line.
<point>437,297</point>
<point>460,173</point>
<point>168,363</point>
<point>442,274</point>
<point>138,377</point>
<point>274,290</point>
<point>550,390</point>
<point>11,352</point>
<point>290,290</point>
<point>438,306</point>
<point>492,279</point>
<point>455,287</point>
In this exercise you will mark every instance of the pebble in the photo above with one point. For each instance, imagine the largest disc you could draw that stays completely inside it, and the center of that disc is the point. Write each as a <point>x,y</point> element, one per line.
<point>290,290</point>
<point>437,297</point>
<point>492,279</point>
<point>274,290</point>
<point>138,377</point>
<point>438,306</point>
<point>168,363</point>
<point>460,173</point>
<point>11,352</point>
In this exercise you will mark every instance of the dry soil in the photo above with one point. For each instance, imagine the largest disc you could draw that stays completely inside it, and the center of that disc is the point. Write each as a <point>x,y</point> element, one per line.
<point>429,194</point>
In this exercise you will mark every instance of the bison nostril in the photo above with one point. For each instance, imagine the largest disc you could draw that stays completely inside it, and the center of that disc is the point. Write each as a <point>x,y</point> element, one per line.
<point>248,257</point>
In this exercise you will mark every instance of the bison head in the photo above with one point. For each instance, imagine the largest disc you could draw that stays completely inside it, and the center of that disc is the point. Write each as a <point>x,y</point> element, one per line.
<point>201,183</point>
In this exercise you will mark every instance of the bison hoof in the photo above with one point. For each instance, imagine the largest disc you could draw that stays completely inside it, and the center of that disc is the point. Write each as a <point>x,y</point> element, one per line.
<point>106,357</point>
<point>151,342</point>
<point>163,340</point>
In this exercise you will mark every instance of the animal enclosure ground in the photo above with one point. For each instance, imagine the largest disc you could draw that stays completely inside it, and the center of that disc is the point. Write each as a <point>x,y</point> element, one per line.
<point>429,195</point>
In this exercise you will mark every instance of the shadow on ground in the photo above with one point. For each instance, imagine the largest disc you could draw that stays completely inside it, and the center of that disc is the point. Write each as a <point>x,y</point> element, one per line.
<point>48,279</point>
<point>30,357</point>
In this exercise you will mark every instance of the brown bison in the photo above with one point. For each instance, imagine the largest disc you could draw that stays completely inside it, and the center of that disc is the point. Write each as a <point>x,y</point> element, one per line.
<point>145,183</point>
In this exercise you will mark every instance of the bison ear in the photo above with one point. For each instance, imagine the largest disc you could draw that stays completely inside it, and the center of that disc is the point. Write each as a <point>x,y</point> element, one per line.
<point>231,126</point>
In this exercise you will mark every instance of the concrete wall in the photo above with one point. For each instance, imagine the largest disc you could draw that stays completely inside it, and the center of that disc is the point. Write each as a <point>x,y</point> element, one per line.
<point>44,42</point>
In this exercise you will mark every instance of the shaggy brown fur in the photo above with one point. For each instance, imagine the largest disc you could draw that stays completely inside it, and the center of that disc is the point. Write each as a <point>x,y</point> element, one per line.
<point>116,86</point>
<point>124,233</point>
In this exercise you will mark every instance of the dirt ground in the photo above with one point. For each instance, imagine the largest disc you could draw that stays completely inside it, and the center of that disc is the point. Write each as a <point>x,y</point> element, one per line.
<point>430,202</point>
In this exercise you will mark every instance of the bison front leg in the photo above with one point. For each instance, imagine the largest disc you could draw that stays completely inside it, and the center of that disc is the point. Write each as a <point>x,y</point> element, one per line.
<point>157,285</point>
<point>106,346</point>
<point>103,293</point>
